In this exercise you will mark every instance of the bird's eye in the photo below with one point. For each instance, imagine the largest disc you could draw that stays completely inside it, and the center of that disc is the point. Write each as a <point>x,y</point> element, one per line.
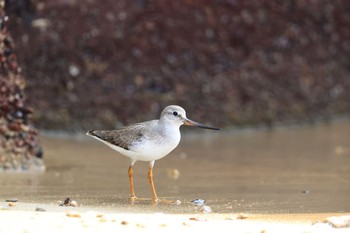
<point>175,113</point>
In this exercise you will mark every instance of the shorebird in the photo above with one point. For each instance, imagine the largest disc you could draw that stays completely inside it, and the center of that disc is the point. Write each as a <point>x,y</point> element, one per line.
<point>147,141</point>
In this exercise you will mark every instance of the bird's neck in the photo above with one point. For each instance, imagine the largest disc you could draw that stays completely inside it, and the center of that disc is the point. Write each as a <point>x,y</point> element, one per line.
<point>168,127</point>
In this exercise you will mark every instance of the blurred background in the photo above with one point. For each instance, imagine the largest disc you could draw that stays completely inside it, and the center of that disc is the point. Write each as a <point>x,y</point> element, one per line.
<point>102,64</point>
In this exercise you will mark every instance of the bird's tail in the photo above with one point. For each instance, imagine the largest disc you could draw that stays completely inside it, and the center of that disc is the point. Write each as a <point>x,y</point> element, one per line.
<point>90,133</point>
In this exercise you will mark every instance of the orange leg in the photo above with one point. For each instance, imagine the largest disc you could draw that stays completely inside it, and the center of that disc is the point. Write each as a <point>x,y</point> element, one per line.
<point>132,191</point>
<point>154,194</point>
<point>150,177</point>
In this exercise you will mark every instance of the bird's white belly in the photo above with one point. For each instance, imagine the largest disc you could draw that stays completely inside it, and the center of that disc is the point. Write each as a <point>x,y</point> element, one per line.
<point>149,151</point>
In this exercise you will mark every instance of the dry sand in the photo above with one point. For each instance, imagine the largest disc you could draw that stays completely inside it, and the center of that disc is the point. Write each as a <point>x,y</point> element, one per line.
<point>21,218</point>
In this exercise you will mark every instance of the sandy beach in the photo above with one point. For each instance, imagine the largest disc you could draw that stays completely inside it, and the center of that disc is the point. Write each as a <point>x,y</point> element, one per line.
<point>22,218</point>
<point>288,180</point>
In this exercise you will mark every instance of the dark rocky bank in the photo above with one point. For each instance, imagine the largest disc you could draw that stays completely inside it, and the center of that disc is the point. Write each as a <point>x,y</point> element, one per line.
<point>19,146</point>
<point>100,64</point>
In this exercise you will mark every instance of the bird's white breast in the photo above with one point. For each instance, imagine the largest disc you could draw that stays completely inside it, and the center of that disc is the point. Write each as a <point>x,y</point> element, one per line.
<point>156,144</point>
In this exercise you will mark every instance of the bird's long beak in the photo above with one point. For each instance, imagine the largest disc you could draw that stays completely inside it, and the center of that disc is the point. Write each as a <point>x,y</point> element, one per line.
<point>189,122</point>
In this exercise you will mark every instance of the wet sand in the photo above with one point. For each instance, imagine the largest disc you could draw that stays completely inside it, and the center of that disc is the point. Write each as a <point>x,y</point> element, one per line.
<point>290,176</point>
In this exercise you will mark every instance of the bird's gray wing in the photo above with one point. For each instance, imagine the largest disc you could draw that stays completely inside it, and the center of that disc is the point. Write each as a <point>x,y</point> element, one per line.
<point>123,137</point>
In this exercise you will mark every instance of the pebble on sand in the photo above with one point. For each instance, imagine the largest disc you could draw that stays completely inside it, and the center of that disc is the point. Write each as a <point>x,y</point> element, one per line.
<point>69,202</point>
<point>74,203</point>
<point>339,221</point>
<point>198,219</point>
<point>102,219</point>
<point>198,202</point>
<point>124,223</point>
<point>205,209</point>
<point>73,214</point>
<point>140,225</point>
<point>12,204</point>
<point>177,202</point>
<point>11,200</point>
<point>173,173</point>
<point>39,209</point>
<point>242,216</point>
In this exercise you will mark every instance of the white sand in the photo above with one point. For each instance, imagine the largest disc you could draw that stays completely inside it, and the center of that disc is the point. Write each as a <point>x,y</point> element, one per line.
<point>21,218</point>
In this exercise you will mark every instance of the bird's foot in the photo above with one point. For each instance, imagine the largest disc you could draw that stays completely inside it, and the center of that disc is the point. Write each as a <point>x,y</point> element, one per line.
<point>133,199</point>
<point>156,201</point>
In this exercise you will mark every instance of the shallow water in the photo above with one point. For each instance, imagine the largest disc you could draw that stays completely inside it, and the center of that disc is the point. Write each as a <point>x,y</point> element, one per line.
<point>301,170</point>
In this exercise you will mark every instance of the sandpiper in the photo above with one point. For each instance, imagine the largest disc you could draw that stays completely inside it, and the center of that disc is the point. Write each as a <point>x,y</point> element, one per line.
<point>147,141</point>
